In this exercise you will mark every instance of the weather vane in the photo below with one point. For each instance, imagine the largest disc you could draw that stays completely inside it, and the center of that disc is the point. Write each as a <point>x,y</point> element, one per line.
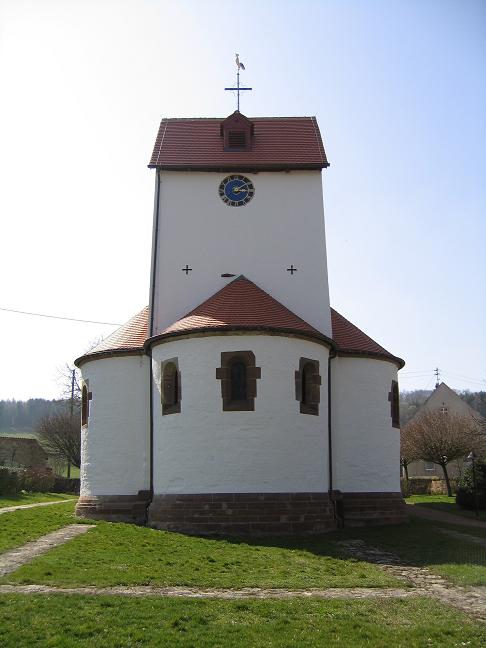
<point>238,88</point>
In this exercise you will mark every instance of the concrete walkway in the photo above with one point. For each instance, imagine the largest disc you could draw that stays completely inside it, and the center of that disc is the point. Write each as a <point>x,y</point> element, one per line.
<point>9,509</point>
<point>434,515</point>
<point>15,558</point>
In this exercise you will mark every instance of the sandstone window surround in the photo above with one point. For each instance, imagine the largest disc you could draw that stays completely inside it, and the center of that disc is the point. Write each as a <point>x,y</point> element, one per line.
<point>394,399</point>
<point>308,386</point>
<point>86,396</point>
<point>170,392</point>
<point>238,375</point>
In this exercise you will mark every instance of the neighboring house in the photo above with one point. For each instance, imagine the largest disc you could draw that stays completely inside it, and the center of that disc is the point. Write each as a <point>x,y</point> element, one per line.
<point>442,399</point>
<point>22,452</point>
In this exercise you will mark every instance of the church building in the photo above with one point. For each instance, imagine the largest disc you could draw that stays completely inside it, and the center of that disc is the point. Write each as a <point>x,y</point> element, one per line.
<point>239,402</point>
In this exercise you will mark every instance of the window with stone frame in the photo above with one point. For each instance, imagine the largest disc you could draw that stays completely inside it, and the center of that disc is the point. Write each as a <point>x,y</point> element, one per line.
<point>308,386</point>
<point>238,375</point>
<point>394,398</point>
<point>85,398</point>
<point>170,392</point>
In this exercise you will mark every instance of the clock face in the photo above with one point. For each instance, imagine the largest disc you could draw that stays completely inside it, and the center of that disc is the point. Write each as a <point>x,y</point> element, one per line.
<point>236,190</point>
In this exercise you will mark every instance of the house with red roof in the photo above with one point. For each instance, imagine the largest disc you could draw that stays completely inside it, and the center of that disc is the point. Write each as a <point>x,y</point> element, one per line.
<point>238,401</point>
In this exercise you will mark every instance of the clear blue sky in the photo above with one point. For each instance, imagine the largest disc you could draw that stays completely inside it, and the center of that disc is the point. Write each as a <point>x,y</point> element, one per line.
<point>399,91</point>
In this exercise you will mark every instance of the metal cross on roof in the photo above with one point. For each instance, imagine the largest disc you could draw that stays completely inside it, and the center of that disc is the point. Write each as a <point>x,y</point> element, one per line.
<point>238,88</point>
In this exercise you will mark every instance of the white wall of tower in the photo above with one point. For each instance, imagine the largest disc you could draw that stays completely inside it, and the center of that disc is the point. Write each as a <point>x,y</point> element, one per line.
<point>282,225</point>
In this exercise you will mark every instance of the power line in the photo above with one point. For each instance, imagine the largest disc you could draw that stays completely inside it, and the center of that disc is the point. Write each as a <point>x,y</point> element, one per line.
<point>59,317</point>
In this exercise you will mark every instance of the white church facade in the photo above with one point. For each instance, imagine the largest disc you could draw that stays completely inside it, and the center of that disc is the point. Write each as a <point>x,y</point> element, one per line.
<point>239,401</point>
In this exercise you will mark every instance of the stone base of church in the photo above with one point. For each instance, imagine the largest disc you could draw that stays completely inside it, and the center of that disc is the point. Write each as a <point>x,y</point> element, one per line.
<point>115,508</point>
<point>373,509</point>
<point>243,514</point>
<point>248,514</point>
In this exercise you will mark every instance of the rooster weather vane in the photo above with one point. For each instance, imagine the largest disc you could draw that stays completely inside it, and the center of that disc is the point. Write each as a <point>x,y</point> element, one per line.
<point>238,88</point>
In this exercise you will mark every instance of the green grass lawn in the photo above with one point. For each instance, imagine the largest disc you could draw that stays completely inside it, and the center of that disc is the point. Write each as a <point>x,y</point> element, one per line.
<point>420,543</point>
<point>33,498</point>
<point>80,621</point>
<point>443,503</point>
<point>124,554</point>
<point>18,527</point>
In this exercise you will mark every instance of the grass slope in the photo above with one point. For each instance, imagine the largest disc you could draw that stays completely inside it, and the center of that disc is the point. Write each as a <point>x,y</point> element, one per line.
<point>19,527</point>
<point>443,503</point>
<point>33,498</point>
<point>421,543</point>
<point>78,622</point>
<point>123,554</point>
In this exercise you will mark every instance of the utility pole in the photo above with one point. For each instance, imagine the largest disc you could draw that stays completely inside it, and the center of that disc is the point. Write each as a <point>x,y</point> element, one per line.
<point>437,377</point>
<point>71,407</point>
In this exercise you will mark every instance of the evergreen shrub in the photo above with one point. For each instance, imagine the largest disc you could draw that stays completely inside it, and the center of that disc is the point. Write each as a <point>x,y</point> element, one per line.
<point>465,491</point>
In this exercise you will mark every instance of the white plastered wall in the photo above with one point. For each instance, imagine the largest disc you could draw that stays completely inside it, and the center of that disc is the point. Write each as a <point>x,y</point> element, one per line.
<point>282,225</point>
<point>365,446</point>
<point>115,444</point>
<point>272,449</point>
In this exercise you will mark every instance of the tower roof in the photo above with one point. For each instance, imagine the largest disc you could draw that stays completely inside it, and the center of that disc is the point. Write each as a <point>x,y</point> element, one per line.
<point>240,305</point>
<point>277,143</point>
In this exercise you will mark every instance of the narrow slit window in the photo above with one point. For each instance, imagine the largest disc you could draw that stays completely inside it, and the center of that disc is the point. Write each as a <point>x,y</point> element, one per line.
<point>171,388</point>
<point>238,375</point>
<point>84,405</point>
<point>394,398</point>
<point>308,386</point>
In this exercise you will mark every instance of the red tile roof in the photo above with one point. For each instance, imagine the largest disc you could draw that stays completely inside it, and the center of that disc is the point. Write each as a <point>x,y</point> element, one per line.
<point>350,338</point>
<point>240,305</point>
<point>128,337</point>
<point>278,142</point>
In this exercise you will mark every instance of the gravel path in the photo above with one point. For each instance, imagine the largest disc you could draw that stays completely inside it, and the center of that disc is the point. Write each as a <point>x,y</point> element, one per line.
<point>463,536</point>
<point>471,600</point>
<point>15,558</point>
<point>214,593</point>
<point>442,516</point>
<point>9,509</point>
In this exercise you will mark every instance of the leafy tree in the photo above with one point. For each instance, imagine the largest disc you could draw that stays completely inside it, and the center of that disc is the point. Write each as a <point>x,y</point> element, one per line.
<point>440,438</point>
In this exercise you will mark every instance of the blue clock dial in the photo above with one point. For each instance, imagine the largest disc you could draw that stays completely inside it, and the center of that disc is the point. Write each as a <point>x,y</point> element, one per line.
<point>236,190</point>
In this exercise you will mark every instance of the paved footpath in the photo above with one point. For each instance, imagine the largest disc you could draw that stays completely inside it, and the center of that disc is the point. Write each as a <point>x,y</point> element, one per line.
<point>442,516</point>
<point>9,509</point>
<point>471,600</point>
<point>15,558</point>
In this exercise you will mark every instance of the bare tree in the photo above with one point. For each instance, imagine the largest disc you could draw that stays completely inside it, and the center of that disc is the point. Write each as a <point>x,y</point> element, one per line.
<point>407,450</point>
<point>60,434</point>
<point>441,437</point>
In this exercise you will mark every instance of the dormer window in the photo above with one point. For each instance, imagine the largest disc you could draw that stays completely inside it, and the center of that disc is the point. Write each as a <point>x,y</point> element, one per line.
<point>237,131</point>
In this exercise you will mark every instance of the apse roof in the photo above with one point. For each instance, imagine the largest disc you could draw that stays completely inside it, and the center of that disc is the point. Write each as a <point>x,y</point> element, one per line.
<point>277,143</point>
<point>240,305</point>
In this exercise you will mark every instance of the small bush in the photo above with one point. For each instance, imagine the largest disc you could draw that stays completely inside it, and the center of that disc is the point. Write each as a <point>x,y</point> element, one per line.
<point>11,481</point>
<point>38,482</point>
<point>465,492</point>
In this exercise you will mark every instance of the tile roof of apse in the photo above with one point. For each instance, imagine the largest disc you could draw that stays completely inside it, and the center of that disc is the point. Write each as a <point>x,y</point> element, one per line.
<point>277,143</point>
<point>240,305</point>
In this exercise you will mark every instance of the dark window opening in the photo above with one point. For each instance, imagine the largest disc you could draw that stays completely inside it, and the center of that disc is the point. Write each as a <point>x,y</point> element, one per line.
<point>308,386</point>
<point>236,139</point>
<point>238,375</point>
<point>238,381</point>
<point>171,389</point>
<point>84,405</point>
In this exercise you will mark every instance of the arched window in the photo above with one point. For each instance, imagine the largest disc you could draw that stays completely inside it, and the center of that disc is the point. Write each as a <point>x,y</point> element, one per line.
<point>171,388</point>
<point>84,405</point>
<point>238,375</point>
<point>308,386</point>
